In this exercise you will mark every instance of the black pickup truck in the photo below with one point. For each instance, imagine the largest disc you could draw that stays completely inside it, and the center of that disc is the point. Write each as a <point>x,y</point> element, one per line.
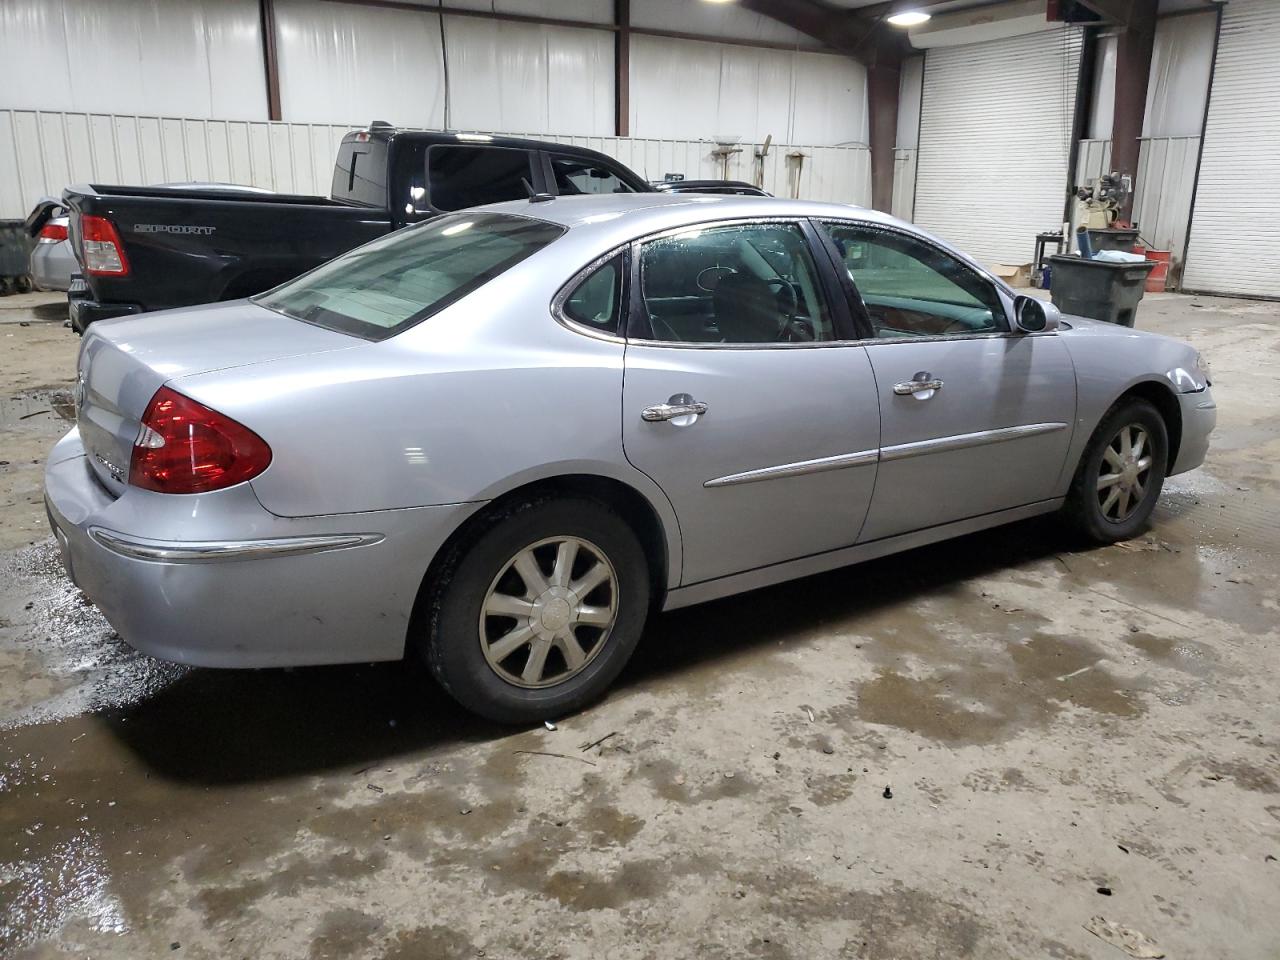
<point>148,248</point>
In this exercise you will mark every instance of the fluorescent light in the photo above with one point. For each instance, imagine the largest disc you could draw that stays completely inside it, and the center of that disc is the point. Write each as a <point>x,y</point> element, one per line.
<point>909,18</point>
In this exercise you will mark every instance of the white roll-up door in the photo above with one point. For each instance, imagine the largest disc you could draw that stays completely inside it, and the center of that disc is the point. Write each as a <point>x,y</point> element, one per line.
<point>995,140</point>
<point>1235,226</point>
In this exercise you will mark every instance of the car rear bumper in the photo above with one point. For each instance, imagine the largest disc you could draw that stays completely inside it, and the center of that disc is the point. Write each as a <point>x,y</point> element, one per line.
<point>1199,417</point>
<point>335,589</point>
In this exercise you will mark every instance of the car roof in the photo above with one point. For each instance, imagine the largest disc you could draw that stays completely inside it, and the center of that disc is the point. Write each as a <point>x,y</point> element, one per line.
<point>649,212</point>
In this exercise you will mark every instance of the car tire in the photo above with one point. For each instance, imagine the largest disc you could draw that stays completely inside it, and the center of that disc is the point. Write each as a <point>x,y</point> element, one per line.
<point>23,284</point>
<point>492,617</point>
<point>1115,489</point>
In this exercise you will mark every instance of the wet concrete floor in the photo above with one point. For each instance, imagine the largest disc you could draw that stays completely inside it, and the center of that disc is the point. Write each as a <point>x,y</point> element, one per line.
<point>1049,722</point>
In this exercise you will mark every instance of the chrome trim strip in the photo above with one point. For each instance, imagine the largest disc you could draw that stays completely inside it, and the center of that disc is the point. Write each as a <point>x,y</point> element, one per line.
<point>799,469</point>
<point>961,441</point>
<point>219,551</point>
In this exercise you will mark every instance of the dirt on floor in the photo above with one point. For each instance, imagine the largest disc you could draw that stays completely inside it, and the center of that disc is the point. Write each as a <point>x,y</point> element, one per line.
<point>964,751</point>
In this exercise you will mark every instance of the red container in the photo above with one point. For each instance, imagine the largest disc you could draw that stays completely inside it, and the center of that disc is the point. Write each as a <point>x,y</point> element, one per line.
<point>1159,276</point>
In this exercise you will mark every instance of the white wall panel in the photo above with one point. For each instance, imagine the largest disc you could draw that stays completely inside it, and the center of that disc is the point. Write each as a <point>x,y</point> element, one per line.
<point>1181,63</point>
<point>359,63</point>
<point>42,152</point>
<point>589,11</point>
<point>904,184</point>
<point>506,75</point>
<point>995,140</point>
<point>1235,234</point>
<point>910,86</point>
<point>194,58</point>
<point>697,90</point>
<point>1102,109</point>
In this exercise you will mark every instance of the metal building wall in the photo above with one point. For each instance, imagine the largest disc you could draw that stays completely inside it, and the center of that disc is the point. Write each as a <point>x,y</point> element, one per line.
<point>1235,232</point>
<point>190,58</point>
<point>43,151</point>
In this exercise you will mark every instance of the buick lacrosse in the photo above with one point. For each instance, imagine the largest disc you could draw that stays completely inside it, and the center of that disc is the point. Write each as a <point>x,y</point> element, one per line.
<point>501,438</point>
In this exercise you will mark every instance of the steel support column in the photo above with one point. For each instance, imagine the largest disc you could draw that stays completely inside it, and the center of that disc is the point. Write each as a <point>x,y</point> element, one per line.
<point>883,82</point>
<point>267,17</point>
<point>1134,45</point>
<point>622,68</point>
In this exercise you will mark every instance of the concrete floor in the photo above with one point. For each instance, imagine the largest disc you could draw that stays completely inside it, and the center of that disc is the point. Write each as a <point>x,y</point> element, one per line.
<point>1050,722</point>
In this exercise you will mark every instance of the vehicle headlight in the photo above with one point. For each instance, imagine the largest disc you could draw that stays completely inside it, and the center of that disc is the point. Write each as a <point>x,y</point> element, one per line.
<point>1202,370</point>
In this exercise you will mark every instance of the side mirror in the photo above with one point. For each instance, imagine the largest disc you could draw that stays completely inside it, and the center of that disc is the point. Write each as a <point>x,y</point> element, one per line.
<point>1035,316</point>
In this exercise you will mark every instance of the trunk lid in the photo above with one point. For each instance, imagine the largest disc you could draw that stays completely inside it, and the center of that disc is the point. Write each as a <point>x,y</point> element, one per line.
<point>124,362</point>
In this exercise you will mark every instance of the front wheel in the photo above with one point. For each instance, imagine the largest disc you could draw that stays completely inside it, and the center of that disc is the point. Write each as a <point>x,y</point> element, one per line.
<point>536,616</point>
<point>1120,475</point>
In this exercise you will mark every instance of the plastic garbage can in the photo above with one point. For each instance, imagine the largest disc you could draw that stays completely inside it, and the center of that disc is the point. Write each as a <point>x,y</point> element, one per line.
<point>15,254</point>
<point>1109,292</point>
<point>1114,238</point>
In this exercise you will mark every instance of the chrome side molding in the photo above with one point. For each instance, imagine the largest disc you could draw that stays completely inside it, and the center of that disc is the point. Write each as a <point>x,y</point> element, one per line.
<point>959,441</point>
<point>220,551</point>
<point>798,469</point>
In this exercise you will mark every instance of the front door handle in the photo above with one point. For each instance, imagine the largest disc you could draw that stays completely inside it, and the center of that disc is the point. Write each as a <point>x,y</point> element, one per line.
<point>920,383</point>
<point>682,409</point>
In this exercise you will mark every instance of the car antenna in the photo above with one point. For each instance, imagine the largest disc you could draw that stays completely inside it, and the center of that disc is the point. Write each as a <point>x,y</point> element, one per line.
<point>534,196</point>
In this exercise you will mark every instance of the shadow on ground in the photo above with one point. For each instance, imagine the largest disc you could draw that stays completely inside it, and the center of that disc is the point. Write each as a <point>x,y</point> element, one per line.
<point>232,726</point>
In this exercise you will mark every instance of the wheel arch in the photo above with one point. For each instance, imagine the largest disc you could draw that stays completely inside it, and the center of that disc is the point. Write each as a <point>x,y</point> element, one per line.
<point>1161,396</point>
<point>653,522</point>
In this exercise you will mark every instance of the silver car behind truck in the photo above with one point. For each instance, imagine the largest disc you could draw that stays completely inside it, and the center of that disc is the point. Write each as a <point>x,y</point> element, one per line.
<point>499,438</point>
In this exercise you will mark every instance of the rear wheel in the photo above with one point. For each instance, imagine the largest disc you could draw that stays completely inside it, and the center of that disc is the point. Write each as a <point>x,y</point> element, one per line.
<point>23,284</point>
<point>536,616</point>
<point>1121,473</point>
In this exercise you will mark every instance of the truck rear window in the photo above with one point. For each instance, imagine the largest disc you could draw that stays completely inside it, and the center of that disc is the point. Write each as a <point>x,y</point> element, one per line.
<point>387,286</point>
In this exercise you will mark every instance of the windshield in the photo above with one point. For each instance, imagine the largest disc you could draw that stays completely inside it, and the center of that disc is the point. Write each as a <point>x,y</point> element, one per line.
<point>387,286</point>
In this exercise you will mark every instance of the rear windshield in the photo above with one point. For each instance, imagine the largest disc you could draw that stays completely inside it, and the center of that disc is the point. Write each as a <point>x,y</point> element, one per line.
<point>377,290</point>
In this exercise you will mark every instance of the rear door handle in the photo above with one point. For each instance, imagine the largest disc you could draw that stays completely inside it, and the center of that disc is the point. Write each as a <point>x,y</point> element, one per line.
<point>920,383</point>
<point>681,408</point>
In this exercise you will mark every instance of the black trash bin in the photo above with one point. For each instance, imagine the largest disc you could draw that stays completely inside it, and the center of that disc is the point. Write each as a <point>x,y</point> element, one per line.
<point>1113,238</point>
<point>1099,289</point>
<point>15,254</point>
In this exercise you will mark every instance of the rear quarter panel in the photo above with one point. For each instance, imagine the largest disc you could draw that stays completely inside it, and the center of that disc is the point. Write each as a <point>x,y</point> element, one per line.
<point>490,394</point>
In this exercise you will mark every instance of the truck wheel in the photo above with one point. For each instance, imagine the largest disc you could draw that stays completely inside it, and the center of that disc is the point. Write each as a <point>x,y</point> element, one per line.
<point>1120,475</point>
<point>535,617</point>
<point>23,284</point>
<point>5,288</point>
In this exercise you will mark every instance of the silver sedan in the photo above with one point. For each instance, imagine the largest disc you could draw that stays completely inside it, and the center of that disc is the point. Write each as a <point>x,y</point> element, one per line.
<point>499,439</point>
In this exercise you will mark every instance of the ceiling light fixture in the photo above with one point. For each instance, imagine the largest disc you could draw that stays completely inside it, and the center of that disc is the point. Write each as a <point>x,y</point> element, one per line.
<point>909,18</point>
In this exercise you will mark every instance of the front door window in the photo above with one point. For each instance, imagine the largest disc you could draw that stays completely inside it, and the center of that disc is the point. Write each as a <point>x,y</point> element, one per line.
<point>913,289</point>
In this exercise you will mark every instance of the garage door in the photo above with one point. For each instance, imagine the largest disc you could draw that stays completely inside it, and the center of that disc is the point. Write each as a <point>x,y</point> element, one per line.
<point>995,138</point>
<point>1235,227</point>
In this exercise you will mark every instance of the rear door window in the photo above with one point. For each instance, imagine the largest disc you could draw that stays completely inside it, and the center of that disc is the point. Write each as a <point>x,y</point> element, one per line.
<point>360,173</point>
<point>576,175</point>
<point>468,176</point>
<point>387,286</point>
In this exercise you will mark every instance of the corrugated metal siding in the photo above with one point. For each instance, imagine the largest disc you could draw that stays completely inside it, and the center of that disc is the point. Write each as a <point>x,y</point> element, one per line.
<point>41,152</point>
<point>995,137</point>
<point>1235,231</point>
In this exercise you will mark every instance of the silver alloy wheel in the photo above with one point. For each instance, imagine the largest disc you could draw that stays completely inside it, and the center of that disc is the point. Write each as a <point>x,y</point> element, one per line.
<point>1128,459</point>
<point>549,612</point>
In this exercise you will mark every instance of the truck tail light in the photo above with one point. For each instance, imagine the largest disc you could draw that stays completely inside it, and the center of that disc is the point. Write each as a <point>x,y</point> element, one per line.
<point>185,447</point>
<point>52,233</point>
<point>101,246</point>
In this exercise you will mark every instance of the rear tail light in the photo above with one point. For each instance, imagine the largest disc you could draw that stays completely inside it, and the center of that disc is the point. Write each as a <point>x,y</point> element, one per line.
<point>186,447</point>
<point>101,246</point>
<point>52,233</point>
